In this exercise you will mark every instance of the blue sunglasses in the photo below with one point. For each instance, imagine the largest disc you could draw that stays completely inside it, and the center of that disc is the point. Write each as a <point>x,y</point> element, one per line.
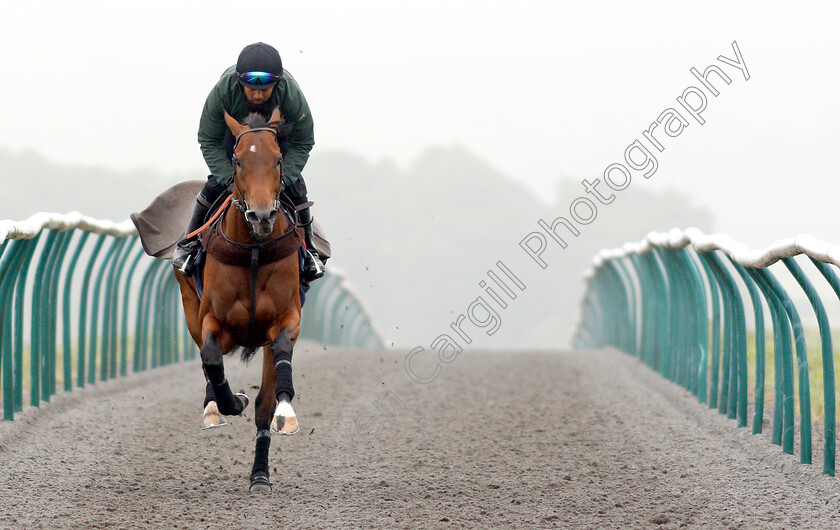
<point>258,78</point>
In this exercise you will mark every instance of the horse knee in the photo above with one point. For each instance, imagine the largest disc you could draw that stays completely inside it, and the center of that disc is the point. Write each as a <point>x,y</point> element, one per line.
<point>282,345</point>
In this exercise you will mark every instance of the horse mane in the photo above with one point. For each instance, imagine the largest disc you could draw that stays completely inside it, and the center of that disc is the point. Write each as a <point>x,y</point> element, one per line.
<point>255,120</point>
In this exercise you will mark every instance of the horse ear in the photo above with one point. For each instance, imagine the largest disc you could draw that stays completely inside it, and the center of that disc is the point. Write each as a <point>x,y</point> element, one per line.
<point>234,126</point>
<point>276,117</point>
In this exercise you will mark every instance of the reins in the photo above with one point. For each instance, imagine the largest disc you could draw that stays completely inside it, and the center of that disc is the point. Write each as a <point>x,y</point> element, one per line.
<point>212,219</point>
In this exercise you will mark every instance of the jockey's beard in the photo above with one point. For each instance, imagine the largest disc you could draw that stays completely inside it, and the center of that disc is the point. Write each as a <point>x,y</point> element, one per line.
<point>261,107</point>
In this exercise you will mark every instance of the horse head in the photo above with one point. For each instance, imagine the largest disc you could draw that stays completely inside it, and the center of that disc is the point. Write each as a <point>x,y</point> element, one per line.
<point>258,171</point>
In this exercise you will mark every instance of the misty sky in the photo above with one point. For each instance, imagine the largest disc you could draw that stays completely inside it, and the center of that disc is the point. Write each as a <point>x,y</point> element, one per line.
<point>538,89</point>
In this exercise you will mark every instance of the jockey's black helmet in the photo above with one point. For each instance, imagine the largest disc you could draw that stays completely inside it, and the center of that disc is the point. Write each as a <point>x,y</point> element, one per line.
<point>259,66</point>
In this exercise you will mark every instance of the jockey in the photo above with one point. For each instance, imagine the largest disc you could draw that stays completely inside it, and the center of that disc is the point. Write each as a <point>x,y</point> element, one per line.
<point>257,83</point>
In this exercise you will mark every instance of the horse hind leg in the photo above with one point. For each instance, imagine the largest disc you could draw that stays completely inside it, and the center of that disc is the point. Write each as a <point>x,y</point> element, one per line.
<point>264,409</point>
<point>285,420</point>
<point>259,473</point>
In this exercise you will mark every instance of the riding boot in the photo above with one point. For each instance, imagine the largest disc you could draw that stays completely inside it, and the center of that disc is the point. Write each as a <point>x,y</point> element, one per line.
<point>183,257</point>
<point>312,268</point>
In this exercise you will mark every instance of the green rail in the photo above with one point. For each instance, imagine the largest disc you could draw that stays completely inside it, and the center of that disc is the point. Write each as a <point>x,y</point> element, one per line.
<point>80,302</point>
<point>679,301</point>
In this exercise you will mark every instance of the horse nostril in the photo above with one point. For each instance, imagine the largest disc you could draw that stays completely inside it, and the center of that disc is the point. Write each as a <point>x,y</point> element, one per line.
<point>272,215</point>
<point>252,217</point>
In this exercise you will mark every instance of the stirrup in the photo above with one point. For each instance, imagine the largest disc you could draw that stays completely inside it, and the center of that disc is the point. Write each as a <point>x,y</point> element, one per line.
<point>186,269</point>
<point>308,273</point>
<point>185,251</point>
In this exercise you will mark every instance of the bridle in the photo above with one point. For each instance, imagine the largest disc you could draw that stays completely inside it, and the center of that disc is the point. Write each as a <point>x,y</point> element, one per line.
<point>241,204</point>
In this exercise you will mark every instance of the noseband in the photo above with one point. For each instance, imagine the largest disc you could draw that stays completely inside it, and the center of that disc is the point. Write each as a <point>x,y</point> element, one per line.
<point>242,205</point>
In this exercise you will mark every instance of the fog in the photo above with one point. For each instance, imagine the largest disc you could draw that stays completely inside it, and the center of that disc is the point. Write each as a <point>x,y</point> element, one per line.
<point>445,131</point>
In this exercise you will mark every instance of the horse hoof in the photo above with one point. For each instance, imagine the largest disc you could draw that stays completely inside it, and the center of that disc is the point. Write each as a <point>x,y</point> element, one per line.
<point>260,484</point>
<point>284,421</point>
<point>284,425</point>
<point>212,417</point>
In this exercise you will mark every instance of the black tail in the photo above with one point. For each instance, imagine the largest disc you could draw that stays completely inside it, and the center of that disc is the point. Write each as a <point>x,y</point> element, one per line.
<point>248,353</point>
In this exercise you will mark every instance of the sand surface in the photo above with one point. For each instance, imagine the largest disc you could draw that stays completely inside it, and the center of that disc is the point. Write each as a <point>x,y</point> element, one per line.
<point>540,439</point>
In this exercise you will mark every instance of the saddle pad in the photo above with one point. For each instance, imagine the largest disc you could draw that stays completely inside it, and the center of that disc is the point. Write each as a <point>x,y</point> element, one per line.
<point>320,241</point>
<point>161,225</point>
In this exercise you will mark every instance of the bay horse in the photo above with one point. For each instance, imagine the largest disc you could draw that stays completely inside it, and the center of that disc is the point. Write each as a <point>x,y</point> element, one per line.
<point>251,296</point>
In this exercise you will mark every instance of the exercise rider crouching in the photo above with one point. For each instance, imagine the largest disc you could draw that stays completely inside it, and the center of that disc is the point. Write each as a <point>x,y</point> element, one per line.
<point>257,83</point>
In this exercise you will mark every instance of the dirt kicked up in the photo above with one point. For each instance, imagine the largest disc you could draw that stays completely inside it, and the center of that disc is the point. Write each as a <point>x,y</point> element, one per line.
<point>538,439</point>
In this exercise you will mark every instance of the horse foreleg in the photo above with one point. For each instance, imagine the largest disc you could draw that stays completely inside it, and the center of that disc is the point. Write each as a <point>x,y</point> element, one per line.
<point>285,420</point>
<point>211,417</point>
<point>212,360</point>
<point>189,298</point>
<point>265,406</point>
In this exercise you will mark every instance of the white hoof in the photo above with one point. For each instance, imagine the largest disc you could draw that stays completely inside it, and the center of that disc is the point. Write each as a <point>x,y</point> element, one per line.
<point>212,418</point>
<point>284,421</point>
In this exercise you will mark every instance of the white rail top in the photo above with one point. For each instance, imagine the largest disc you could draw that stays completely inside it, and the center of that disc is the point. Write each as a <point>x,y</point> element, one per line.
<point>740,253</point>
<point>55,221</point>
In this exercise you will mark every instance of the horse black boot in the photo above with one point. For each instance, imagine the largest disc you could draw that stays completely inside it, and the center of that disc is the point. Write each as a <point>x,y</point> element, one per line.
<point>285,420</point>
<point>213,364</point>
<point>211,418</point>
<point>259,473</point>
<point>312,268</point>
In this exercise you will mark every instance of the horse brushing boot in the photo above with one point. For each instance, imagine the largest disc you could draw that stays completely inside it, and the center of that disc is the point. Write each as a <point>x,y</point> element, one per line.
<point>183,257</point>
<point>312,267</point>
<point>228,403</point>
<point>212,416</point>
<point>259,473</point>
<point>213,364</point>
<point>285,420</point>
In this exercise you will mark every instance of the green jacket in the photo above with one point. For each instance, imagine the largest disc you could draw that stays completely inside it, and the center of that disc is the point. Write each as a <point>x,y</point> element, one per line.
<point>296,136</point>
